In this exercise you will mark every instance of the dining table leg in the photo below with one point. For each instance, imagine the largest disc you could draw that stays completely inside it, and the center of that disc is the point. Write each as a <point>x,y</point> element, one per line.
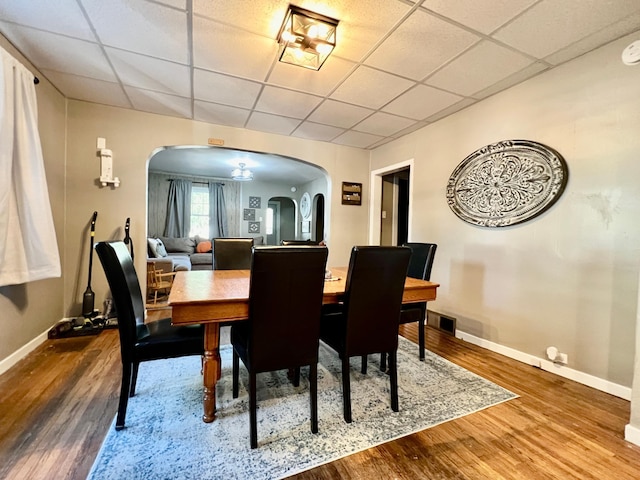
<point>212,369</point>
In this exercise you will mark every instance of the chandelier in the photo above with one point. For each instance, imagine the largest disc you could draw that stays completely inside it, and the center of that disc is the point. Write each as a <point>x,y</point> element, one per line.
<point>242,174</point>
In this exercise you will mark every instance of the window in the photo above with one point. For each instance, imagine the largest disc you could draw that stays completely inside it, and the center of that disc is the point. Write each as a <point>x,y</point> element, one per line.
<point>199,211</point>
<point>270,221</point>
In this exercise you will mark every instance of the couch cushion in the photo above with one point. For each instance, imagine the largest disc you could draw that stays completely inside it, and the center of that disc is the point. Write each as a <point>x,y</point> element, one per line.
<point>202,259</point>
<point>180,262</point>
<point>179,245</point>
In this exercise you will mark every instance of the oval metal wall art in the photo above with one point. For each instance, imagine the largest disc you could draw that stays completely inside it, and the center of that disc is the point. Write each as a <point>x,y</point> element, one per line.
<point>506,183</point>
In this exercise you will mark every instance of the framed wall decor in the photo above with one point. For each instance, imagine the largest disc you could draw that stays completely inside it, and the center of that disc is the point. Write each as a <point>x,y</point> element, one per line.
<point>254,202</point>
<point>507,183</point>
<point>351,193</point>
<point>250,214</point>
<point>254,227</point>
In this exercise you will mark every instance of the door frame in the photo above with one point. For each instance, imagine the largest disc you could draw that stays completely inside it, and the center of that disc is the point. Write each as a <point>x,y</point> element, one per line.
<point>375,203</point>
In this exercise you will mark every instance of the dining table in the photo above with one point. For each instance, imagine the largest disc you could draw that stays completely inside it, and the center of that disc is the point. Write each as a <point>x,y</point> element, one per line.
<point>213,297</point>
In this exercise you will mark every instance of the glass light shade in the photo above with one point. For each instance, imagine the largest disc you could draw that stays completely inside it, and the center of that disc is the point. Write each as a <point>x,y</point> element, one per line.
<point>307,38</point>
<point>242,174</point>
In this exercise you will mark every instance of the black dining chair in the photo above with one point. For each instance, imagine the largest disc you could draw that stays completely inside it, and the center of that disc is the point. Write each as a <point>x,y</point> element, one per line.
<point>282,332</point>
<point>367,321</point>
<point>232,253</point>
<point>298,243</point>
<point>140,341</point>
<point>422,256</point>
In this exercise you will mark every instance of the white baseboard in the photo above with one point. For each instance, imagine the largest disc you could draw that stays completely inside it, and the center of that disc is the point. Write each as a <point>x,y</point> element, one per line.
<point>561,370</point>
<point>15,357</point>
<point>632,434</point>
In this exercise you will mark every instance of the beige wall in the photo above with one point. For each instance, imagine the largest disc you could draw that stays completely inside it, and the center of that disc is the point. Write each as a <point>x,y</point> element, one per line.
<point>29,310</point>
<point>133,136</point>
<point>568,278</point>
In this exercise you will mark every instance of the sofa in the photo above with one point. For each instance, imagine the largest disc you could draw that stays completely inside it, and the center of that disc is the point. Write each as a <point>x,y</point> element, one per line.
<point>188,253</point>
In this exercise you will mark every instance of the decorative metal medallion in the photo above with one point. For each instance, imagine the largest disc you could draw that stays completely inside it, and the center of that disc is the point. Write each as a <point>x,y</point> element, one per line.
<point>506,183</point>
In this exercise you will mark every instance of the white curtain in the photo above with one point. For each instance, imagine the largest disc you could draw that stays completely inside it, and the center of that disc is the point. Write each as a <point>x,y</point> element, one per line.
<point>28,246</point>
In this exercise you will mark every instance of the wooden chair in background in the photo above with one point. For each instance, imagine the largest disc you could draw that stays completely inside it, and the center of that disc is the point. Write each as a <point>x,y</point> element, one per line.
<point>158,282</point>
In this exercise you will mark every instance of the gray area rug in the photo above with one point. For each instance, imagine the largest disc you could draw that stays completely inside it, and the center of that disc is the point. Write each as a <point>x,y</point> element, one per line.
<point>165,437</point>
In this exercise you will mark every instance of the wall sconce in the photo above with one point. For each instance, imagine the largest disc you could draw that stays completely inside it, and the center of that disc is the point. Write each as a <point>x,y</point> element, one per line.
<point>307,38</point>
<point>242,174</point>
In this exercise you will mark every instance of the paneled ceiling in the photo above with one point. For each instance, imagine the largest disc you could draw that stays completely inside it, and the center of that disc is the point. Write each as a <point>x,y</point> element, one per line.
<point>398,65</point>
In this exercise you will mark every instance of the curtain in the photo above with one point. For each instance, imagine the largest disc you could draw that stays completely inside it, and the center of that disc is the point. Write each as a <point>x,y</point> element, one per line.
<point>28,245</point>
<point>234,212</point>
<point>217,211</point>
<point>178,209</point>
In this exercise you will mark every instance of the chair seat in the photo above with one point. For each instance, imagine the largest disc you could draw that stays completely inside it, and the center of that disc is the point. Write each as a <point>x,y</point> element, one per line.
<point>412,313</point>
<point>160,339</point>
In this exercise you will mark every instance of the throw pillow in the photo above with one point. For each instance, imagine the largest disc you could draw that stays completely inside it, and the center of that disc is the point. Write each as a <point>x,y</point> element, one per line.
<point>204,247</point>
<point>152,243</point>
<point>161,251</point>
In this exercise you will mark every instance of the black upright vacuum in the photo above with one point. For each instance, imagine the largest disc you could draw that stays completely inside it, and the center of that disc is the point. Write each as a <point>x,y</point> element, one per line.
<point>89,298</point>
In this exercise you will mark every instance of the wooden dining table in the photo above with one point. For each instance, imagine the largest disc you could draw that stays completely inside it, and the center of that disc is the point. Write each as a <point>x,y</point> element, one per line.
<point>211,297</point>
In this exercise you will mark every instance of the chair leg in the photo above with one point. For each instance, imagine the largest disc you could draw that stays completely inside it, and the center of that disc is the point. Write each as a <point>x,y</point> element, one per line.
<point>421,322</point>
<point>313,394</point>
<point>363,369</point>
<point>134,378</point>
<point>383,362</point>
<point>296,377</point>
<point>346,389</point>
<point>124,395</point>
<point>236,374</point>
<point>393,378</point>
<point>253,406</point>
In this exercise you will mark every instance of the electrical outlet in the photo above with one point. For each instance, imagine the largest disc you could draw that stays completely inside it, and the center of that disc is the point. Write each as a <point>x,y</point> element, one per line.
<point>562,358</point>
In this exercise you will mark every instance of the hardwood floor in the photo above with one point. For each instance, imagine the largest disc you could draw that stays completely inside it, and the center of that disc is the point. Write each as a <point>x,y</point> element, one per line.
<point>57,404</point>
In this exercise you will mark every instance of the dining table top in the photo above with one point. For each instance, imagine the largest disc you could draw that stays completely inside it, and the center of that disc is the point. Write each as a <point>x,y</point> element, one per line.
<point>223,295</point>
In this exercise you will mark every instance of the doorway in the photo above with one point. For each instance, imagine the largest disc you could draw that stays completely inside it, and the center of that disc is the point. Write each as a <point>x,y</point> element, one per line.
<point>395,184</point>
<point>394,216</point>
<point>281,224</point>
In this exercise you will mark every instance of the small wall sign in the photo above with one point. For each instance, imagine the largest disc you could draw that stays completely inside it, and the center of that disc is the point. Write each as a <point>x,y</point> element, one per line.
<point>351,193</point>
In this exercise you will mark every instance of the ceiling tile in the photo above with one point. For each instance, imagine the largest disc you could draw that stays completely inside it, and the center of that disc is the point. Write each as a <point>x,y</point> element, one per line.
<point>480,16</point>
<point>88,89</point>
<point>320,82</point>
<point>371,88</point>
<point>286,102</point>
<point>263,17</point>
<point>456,107</point>
<point>62,54</point>
<point>226,49</point>
<point>316,131</point>
<point>362,23</point>
<point>161,103</point>
<point>150,73</point>
<point>478,68</point>
<point>421,101</point>
<point>357,139</point>
<point>218,88</point>
<point>606,35</point>
<point>141,27</point>
<point>420,45</point>
<point>220,114</point>
<point>66,18</point>
<point>383,124</point>
<point>511,80</point>
<point>265,122</point>
<point>552,25</point>
<point>331,112</point>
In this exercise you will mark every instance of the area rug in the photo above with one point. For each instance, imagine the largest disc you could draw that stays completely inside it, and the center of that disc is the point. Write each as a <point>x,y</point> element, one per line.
<point>165,437</point>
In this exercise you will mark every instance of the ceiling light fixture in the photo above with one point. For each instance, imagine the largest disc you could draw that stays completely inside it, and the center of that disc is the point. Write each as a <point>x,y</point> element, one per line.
<point>306,38</point>
<point>242,174</point>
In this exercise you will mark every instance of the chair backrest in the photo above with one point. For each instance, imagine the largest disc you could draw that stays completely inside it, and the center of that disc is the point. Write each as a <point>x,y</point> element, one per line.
<point>232,253</point>
<point>285,304</point>
<point>125,289</point>
<point>422,255</point>
<point>298,242</point>
<point>373,298</point>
